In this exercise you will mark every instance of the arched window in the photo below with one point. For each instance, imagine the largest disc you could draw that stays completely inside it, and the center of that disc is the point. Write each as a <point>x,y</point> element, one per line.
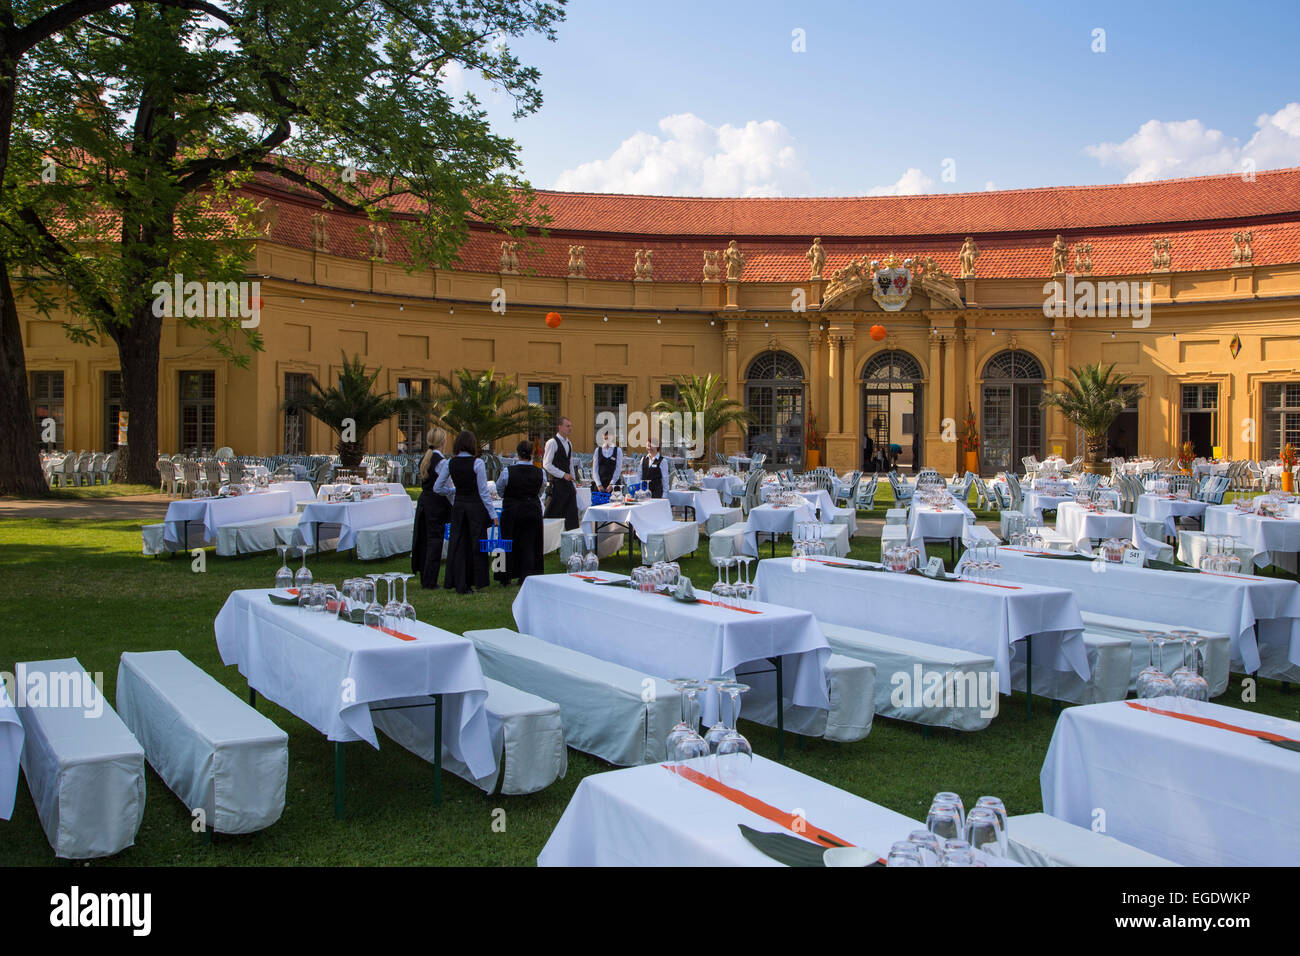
<point>774,396</point>
<point>891,368</point>
<point>1011,411</point>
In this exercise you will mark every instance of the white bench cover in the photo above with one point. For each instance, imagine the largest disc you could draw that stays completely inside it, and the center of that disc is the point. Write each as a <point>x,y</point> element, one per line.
<point>384,540</point>
<point>216,753</point>
<point>153,538</point>
<point>897,659</point>
<point>896,516</point>
<point>722,518</point>
<point>1110,659</point>
<point>1036,839</point>
<point>527,741</point>
<point>250,537</point>
<point>669,544</point>
<point>552,528</point>
<point>851,684</point>
<point>84,768</point>
<point>1216,648</point>
<point>604,706</point>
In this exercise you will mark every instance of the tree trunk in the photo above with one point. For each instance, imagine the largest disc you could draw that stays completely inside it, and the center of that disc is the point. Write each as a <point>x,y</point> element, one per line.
<point>20,462</point>
<point>138,353</point>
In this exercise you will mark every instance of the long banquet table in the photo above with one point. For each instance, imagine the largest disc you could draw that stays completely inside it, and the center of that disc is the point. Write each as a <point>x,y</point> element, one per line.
<point>332,674</point>
<point>1229,604</point>
<point>1269,539</point>
<point>1082,526</point>
<point>1167,509</point>
<point>215,512</point>
<point>774,520</point>
<point>925,522</point>
<point>1179,778</point>
<point>666,638</point>
<point>986,619</point>
<point>353,516</point>
<point>11,749</point>
<point>648,816</point>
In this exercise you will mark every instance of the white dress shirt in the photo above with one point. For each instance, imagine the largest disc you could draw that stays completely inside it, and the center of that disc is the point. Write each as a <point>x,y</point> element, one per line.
<point>549,455</point>
<point>445,486</point>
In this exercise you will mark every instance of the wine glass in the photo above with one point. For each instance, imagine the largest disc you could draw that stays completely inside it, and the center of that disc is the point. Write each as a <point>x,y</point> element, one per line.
<point>408,609</point>
<point>284,575</point>
<point>684,727</point>
<point>735,755</point>
<point>592,561</point>
<point>374,613</point>
<point>1158,686</point>
<point>575,563</point>
<point>714,735</point>
<point>302,579</point>
<point>392,606</point>
<point>1150,672</point>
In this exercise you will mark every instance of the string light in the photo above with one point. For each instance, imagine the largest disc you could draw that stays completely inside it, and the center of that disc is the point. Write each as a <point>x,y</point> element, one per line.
<point>606,318</point>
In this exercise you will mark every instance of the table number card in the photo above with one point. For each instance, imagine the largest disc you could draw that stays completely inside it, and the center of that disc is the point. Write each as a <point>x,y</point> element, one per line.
<point>1135,556</point>
<point>934,568</point>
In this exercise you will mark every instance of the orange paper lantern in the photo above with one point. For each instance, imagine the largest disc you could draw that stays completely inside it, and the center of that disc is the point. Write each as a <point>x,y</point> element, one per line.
<point>877,332</point>
<point>553,319</point>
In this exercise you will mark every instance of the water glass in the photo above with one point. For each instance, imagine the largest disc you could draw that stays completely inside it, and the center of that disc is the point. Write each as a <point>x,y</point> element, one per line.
<point>944,820</point>
<point>904,853</point>
<point>928,844</point>
<point>984,831</point>
<point>957,853</point>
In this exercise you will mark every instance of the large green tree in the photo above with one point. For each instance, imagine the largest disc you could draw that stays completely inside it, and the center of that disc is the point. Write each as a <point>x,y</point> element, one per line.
<point>155,116</point>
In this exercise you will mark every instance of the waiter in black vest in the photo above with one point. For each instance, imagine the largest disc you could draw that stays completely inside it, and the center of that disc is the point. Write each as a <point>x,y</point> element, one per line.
<point>557,462</point>
<point>520,487</point>
<point>654,470</point>
<point>606,464</point>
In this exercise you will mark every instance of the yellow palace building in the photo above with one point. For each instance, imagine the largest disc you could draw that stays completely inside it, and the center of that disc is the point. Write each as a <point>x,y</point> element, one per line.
<point>878,321</point>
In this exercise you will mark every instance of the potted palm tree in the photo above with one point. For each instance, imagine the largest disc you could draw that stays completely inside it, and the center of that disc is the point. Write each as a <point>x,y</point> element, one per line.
<point>709,408</point>
<point>1092,398</point>
<point>489,407</point>
<point>813,444</point>
<point>351,407</point>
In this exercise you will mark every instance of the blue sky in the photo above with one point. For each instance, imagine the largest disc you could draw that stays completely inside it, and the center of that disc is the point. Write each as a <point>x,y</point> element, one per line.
<point>709,98</point>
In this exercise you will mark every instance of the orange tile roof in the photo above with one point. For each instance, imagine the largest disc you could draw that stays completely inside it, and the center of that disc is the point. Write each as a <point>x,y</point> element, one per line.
<point>1014,229</point>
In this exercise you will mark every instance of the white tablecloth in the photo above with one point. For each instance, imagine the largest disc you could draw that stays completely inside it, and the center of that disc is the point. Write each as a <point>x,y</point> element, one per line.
<point>1200,469</point>
<point>1169,510</point>
<point>1037,501</point>
<point>353,516</point>
<point>328,673</point>
<point>703,503</point>
<point>11,750</point>
<point>1081,526</point>
<point>215,512</point>
<point>728,487</point>
<point>981,618</point>
<point>1219,603</point>
<point>647,816</point>
<point>392,487</point>
<point>301,490</point>
<point>774,519</point>
<point>644,518</point>
<point>1271,540</point>
<point>923,522</point>
<point>665,638</point>
<point>1194,794</point>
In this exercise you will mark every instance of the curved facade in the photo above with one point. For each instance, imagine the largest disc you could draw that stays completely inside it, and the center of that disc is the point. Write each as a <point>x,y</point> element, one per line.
<point>1191,287</point>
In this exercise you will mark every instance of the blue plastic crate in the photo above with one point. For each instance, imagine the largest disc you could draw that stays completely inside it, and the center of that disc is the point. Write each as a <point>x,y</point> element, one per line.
<point>600,497</point>
<point>494,542</point>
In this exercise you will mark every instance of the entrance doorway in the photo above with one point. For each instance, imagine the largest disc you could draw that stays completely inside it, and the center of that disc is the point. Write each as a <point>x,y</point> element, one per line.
<point>774,395</point>
<point>1011,413</point>
<point>892,412</point>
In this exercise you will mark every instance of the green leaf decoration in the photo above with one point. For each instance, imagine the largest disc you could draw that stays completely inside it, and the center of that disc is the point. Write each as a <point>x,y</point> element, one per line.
<point>790,850</point>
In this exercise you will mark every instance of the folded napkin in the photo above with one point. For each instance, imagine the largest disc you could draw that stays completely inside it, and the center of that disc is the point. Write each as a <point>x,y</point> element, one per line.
<point>685,591</point>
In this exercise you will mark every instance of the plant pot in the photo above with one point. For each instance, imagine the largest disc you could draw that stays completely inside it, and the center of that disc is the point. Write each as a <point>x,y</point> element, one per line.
<point>1288,481</point>
<point>973,462</point>
<point>814,458</point>
<point>1097,467</point>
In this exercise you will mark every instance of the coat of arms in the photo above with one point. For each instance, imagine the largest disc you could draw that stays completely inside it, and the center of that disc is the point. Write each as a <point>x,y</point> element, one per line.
<point>891,283</point>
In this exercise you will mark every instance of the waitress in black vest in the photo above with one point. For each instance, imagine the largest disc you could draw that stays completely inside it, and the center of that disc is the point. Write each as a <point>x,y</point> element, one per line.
<point>520,488</point>
<point>463,478</point>
<point>654,470</point>
<point>606,464</point>
<point>557,462</point>
<point>431,513</point>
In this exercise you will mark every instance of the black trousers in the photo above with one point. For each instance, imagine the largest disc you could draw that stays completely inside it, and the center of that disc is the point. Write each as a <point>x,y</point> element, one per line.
<point>427,538</point>
<point>564,503</point>
<point>521,524</point>
<point>467,566</point>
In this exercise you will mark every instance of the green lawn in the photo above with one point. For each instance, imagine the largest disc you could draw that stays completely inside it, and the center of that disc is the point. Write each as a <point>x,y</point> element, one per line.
<point>81,588</point>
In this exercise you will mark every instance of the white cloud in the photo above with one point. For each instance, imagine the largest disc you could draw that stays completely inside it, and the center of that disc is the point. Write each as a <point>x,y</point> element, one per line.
<point>453,79</point>
<point>910,183</point>
<point>989,187</point>
<point>1162,150</point>
<point>695,158</point>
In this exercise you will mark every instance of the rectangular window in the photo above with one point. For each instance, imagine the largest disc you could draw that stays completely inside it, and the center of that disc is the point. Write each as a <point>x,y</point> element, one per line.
<point>670,430</point>
<point>47,403</point>
<point>412,425</point>
<point>1200,418</point>
<point>546,396</point>
<point>608,398</point>
<point>198,412</point>
<point>112,405</point>
<point>295,422</point>
<point>1281,417</point>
